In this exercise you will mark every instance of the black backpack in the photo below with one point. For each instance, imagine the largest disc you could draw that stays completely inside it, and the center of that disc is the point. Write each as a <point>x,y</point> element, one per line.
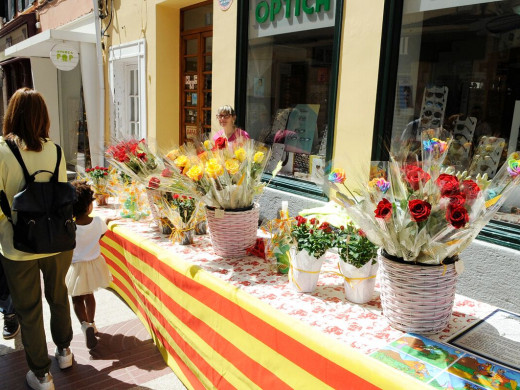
<point>44,211</point>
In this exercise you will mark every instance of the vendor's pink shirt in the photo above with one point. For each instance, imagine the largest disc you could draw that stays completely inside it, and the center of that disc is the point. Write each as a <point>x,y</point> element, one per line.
<point>239,133</point>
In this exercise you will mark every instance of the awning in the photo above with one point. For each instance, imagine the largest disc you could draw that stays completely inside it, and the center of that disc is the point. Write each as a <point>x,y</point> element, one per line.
<point>40,45</point>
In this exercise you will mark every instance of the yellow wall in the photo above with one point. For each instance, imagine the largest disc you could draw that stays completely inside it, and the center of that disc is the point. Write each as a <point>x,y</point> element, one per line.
<point>224,58</point>
<point>357,85</point>
<point>159,23</point>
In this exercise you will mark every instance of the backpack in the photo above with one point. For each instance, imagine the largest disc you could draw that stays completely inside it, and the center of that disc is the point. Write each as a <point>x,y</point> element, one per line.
<point>44,211</point>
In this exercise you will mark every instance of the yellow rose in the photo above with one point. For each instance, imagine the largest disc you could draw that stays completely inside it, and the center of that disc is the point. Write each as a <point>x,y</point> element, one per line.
<point>240,154</point>
<point>195,173</point>
<point>207,144</point>
<point>182,162</point>
<point>173,154</point>
<point>232,166</point>
<point>259,156</point>
<point>213,168</point>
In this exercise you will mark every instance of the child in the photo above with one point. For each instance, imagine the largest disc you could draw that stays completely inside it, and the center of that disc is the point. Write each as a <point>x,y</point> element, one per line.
<point>88,271</point>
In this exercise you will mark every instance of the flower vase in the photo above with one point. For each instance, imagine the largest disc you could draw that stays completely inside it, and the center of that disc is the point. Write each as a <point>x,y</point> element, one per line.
<point>186,237</point>
<point>232,231</point>
<point>101,199</point>
<point>304,270</point>
<point>201,228</point>
<point>417,298</point>
<point>165,225</point>
<point>359,282</point>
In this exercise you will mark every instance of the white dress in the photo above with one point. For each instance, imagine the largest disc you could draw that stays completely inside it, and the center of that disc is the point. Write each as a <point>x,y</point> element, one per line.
<point>88,271</point>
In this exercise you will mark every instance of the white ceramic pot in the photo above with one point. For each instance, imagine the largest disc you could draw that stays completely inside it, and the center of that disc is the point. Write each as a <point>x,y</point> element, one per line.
<point>360,289</point>
<point>304,271</point>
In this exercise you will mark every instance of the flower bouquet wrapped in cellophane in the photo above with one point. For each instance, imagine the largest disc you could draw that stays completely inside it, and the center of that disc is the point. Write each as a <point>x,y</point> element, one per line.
<point>130,195</point>
<point>220,175</point>
<point>422,211</point>
<point>182,212</point>
<point>134,158</point>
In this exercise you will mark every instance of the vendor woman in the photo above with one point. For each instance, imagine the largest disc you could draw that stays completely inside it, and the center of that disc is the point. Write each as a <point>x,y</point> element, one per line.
<point>226,118</point>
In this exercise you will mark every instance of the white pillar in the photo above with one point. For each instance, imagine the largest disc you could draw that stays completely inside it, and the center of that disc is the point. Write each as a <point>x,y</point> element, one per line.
<point>92,94</point>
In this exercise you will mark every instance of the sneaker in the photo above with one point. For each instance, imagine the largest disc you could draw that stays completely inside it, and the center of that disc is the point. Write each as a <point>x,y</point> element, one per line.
<point>90,336</point>
<point>11,326</point>
<point>64,357</point>
<point>45,383</point>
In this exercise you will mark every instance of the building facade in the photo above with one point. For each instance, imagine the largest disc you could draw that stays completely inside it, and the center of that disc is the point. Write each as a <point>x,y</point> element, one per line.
<point>329,81</point>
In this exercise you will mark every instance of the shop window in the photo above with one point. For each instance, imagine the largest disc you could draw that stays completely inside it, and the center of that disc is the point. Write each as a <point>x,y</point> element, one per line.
<point>289,83</point>
<point>457,68</point>
<point>127,90</point>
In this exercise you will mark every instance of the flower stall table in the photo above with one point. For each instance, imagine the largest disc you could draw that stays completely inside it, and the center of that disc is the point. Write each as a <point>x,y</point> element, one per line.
<point>222,323</point>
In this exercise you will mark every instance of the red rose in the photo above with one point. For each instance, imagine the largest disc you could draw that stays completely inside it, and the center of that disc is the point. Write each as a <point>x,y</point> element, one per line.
<point>470,189</point>
<point>456,200</point>
<point>154,183</point>
<point>175,196</point>
<point>314,221</point>
<point>457,216</point>
<point>419,210</point>
<point>220,143</point>
<point>384,209</point>
<point>361,233</point>
<point>301,220</point>
<point>325,227</point>
<point>166,173</point>
<point>448,184</point>
<point>415,176</point>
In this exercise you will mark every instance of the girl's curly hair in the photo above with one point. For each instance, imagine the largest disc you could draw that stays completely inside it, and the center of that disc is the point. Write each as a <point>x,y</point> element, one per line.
<point>85,197</point>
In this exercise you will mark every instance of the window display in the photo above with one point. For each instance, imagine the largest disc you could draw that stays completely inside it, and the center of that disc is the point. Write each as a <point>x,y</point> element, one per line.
<point>288,86</point>
<point>458,69</point>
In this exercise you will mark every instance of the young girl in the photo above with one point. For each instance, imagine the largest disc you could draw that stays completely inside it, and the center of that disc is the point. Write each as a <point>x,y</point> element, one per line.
<point>88,271</point>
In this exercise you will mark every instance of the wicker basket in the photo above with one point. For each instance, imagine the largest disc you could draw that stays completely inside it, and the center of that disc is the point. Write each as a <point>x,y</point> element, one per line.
<point>232,232</point>
<point>417,298</point>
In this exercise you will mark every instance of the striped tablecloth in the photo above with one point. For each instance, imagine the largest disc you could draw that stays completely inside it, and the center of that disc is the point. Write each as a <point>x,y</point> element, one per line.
<point>236,323</point>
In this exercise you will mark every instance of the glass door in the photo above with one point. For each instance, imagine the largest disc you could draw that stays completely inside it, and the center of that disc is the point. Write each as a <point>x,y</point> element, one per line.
<point>196,72</point>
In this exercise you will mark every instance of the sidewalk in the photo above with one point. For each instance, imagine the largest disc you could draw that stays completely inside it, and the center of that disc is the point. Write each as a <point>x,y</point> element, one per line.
<point>125,357</point>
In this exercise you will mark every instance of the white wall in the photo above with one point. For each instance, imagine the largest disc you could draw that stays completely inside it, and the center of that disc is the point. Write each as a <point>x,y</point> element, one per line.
<point>45,79</point>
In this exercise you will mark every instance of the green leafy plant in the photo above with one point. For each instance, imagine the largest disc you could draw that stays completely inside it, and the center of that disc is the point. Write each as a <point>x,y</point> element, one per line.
<point>355,248</point>
<point>312,236</point>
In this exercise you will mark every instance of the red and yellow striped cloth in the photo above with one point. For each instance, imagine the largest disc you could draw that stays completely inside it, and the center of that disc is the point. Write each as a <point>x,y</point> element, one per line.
<point>214,335</point>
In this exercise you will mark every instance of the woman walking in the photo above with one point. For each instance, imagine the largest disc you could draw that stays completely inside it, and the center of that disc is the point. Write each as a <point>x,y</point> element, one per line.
<point>26,123</point>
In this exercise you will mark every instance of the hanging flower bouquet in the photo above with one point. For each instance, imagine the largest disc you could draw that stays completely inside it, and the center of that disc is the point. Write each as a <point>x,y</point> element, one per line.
<point>422,211</point>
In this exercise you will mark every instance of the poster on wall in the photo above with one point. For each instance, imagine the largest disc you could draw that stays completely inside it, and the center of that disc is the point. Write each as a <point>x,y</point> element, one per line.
<point>301,128</point>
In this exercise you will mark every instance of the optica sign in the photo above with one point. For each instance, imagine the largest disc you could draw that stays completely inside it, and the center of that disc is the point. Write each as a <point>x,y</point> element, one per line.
<point>272,17</point>
<point>269,9</point>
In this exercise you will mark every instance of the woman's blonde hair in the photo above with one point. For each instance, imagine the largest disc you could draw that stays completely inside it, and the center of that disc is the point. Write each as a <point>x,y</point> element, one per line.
<point>226,109</point>
<point>27,119</point>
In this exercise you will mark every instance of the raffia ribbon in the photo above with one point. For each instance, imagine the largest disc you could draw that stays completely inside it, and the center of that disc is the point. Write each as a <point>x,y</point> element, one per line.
<point>350,281</point>
<point>291,273</point>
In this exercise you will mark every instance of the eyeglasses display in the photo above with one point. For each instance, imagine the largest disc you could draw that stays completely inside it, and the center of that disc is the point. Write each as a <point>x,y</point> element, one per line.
<point>434,105</point>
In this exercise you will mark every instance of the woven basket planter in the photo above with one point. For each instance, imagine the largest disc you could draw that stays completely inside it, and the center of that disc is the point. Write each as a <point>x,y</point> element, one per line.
<point>232,232</point>
<point>417,298</point>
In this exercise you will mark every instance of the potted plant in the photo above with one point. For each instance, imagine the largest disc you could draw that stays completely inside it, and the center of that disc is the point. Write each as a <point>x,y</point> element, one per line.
<point>311,239</point>
<point>182,211</point>
<point>422,215</point>
<point>98,178</point>
<point>358,264</point>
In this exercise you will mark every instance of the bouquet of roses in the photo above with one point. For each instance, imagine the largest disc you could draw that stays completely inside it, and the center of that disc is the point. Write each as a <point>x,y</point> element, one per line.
<point>220,175</point>
<point>134,158</point>
<point>182,211</point>
<point>422,211</point>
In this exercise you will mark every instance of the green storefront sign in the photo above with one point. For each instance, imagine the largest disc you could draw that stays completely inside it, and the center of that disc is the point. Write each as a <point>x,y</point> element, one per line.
<point>269,9</point>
